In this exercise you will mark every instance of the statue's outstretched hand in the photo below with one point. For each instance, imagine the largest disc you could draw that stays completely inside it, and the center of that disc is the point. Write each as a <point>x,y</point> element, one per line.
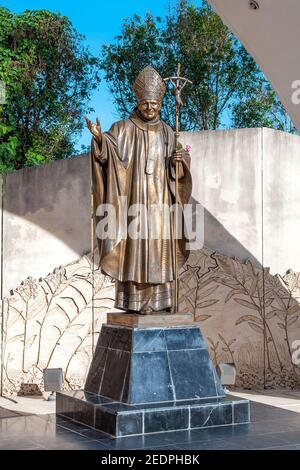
<point>94,129</point>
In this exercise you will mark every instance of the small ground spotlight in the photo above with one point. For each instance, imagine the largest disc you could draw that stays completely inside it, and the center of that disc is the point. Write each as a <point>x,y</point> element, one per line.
<point>53,381</point>
<point>227,373</point>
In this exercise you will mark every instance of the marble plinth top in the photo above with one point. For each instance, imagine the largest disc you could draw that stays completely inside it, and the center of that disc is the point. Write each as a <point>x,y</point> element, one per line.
<point>164,319</point>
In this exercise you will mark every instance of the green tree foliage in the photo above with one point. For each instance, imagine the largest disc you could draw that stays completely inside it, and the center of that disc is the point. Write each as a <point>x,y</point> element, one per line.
<point>228,90</point>
<point>49,75</point>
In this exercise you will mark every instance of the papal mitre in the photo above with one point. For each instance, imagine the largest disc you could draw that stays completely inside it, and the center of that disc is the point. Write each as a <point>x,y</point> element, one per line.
<point>149,85</point>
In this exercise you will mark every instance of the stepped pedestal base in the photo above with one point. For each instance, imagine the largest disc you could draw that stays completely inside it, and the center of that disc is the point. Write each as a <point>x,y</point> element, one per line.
<point>119,419</point>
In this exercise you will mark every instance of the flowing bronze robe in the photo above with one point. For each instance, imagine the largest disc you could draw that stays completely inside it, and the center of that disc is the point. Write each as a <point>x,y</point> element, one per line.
<point>134,161</point>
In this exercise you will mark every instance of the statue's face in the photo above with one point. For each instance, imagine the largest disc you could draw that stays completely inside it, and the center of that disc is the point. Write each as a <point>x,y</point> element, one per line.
<point>149,109</point>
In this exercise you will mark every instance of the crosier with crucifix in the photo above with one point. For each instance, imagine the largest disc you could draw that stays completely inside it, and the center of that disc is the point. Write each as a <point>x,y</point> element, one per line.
<point>179,83</point>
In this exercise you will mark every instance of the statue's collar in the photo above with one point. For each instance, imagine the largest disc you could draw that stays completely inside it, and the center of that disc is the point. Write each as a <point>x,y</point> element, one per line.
<point>145,126</point>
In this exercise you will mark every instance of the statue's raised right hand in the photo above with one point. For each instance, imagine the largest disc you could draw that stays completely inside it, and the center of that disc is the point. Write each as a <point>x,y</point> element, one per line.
<point>95,129</point>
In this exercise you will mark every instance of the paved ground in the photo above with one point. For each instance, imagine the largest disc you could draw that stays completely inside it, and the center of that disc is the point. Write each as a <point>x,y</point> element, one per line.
<point>26,405</point>
<point>285,399</point>
<point>4,413</point>
<point>272,427</point>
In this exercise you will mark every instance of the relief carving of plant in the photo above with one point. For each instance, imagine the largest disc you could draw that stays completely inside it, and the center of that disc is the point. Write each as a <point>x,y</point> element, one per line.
<point>266,296</point>
<point>225,348</point>
<point>285,307</point>
<point>247,288</point>
<point>196,288</point>
<point>68,303</point>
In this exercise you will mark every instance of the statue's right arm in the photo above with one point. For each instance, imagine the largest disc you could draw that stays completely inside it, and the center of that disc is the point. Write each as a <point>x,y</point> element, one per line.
<point>97,141</point>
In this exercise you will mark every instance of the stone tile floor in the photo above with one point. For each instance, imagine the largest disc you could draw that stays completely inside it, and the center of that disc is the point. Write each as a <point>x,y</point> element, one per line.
<point>271,428</point>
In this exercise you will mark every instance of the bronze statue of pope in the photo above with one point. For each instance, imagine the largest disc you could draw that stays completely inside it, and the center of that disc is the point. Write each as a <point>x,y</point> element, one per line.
<point>135,161</point>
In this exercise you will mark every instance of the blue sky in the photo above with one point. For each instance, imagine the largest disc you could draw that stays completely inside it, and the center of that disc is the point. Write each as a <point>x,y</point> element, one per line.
<point>100,21</point>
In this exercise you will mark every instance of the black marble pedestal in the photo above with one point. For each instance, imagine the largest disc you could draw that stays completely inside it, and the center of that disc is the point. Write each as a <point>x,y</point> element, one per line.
<point>144,380</point>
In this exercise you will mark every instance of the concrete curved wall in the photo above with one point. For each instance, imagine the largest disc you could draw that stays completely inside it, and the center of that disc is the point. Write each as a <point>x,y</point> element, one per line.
<point>46,219</point>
